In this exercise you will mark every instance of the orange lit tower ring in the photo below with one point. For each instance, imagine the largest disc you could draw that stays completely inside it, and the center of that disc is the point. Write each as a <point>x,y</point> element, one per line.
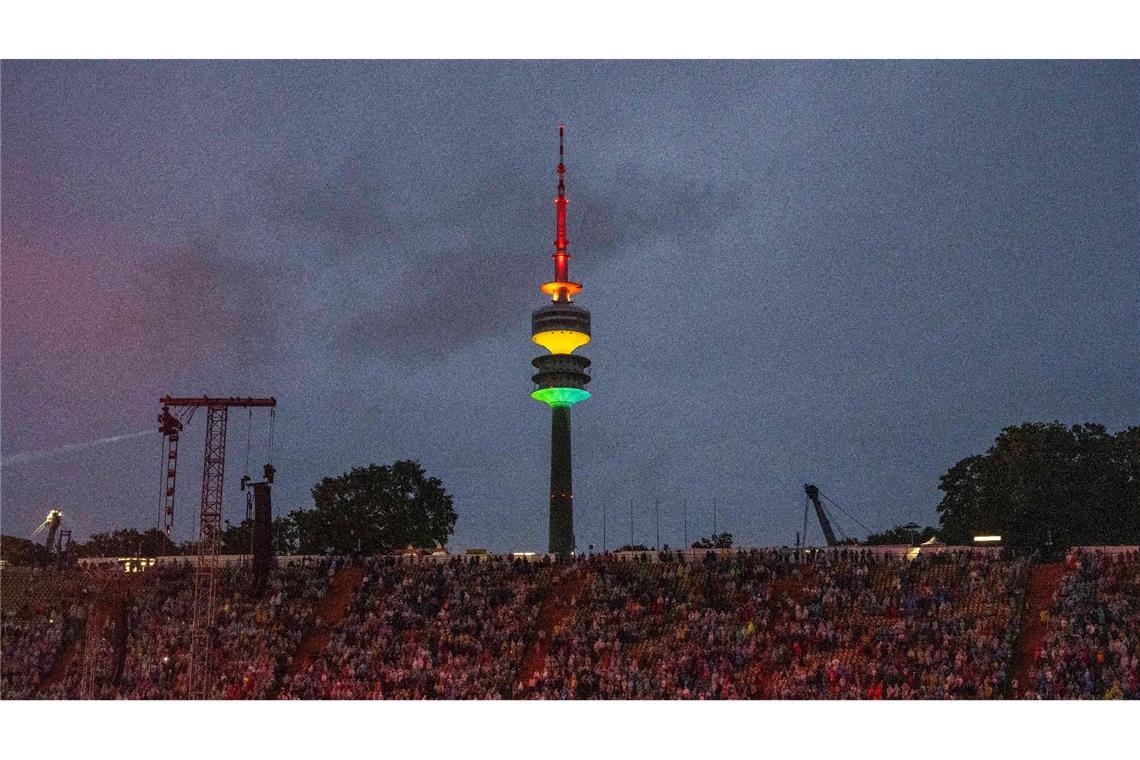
<point>554,288</point>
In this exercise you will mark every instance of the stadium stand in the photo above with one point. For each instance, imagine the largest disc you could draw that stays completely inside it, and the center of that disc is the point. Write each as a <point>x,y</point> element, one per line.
<point>1092,643</point>
<point>836,624</point>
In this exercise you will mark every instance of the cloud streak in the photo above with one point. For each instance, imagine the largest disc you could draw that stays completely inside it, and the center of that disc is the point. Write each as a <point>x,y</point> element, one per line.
<point>31,456</point>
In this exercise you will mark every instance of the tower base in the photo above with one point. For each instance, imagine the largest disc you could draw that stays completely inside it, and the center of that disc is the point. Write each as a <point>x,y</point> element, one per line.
<point>561,484</point>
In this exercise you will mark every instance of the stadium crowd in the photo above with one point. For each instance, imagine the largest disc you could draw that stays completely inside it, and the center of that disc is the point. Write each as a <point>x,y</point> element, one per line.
<point>1092,646</point>
<point>846,624</point>
<point>253,638</point>
<point>29,645</point>
<point>849,625</point>
<point>428,630</point>
<point>42,611</point>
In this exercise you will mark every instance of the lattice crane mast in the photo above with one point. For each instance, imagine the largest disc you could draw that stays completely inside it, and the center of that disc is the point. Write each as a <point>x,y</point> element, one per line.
<point>209,516</point>
<point>170,426</point>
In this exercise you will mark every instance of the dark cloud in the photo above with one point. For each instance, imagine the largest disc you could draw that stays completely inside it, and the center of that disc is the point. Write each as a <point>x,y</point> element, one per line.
<point>484,281</point>
<point>343,213</point>
<point>107,321</point>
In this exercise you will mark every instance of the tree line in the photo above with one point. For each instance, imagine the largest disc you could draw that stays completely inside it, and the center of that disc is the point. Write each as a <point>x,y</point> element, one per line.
<point>368,510</point>
<point>1041,484</point>
<point>1038,485</point>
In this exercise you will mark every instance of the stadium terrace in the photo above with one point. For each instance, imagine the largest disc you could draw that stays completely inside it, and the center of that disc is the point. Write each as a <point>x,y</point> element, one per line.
<point>850,623</point>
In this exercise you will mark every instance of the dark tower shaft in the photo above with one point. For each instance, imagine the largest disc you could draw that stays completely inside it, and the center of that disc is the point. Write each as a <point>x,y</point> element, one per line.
<point>561,483</point>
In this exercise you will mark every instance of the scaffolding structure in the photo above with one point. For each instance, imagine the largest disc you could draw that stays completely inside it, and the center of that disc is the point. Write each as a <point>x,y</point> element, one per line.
<point>198,670</point>
<point>92,630</point>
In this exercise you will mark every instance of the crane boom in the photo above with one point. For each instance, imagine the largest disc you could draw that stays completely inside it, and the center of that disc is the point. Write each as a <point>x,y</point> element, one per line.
<point>209,401</point>
<point>825,524</point>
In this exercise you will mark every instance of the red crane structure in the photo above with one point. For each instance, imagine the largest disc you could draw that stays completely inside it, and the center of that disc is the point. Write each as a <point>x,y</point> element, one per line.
<point>209,516</point>
<point>170,426</point>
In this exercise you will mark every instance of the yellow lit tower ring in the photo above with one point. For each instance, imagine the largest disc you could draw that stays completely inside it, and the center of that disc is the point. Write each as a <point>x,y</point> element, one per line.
<point>560,327</point>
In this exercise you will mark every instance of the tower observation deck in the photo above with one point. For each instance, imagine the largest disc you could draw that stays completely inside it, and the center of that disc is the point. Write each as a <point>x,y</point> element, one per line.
<point>561,376</point>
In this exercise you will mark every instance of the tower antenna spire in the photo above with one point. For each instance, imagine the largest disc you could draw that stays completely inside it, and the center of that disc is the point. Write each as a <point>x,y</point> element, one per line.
<point>561,244</point>
<point>561,289</point>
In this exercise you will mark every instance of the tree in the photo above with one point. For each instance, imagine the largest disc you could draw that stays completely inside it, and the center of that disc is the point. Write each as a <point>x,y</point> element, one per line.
<point>376,509</point>
<point>285,535</point>
<point>909,534</point>
<point>23,551</point>
<point>715,541</point>
<point>633,548</point>
<point>1042,483</point>
<point>127,542</point>
<point>236,539</point>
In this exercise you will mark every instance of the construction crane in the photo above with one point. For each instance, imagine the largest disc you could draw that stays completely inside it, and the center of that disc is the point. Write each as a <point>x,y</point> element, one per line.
<point>58,541</point>
<point>826,520</point>
<point>52,522</point>
<point>824,524</point>
<point>209,516</point>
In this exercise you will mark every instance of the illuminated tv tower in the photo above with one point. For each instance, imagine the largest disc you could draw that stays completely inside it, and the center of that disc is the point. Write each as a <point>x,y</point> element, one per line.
<point>560,327</point>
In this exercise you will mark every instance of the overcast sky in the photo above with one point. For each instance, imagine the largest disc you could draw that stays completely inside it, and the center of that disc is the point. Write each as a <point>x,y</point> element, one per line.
<point>851,274</point>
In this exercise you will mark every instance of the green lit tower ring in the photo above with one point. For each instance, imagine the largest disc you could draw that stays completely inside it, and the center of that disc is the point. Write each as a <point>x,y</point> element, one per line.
<point>561,376</point>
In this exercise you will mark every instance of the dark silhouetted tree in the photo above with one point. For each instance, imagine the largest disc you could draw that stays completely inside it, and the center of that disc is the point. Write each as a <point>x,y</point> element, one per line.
<point>126,542</point>
<point>1044,481</point>
<point>633,548</point>
<point>376,509</point>
<point>715,541</point>
<point>910,534</point>
<point>22,551</point>
<point>285,535</point>
<point>235,539</point>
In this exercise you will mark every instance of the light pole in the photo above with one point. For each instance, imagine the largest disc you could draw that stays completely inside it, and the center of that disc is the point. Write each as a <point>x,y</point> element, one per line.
<point>631,522</point>
<point>685,507</point>
<point>657,522</point>
<point>603,526</point>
